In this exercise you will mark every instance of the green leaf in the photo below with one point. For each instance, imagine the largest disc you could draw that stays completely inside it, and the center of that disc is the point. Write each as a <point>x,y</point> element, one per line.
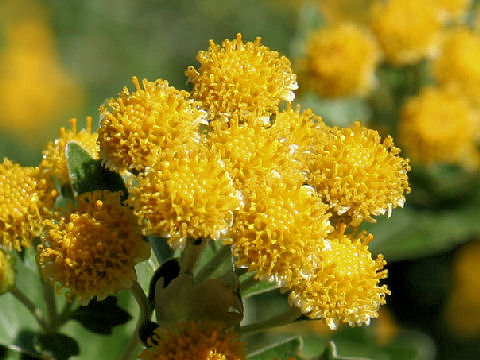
<point>330,353</point>
<point>160,248</point>
<point>217,263</point>
<point>249,286</point>
<point>59,346</point>
<point>281,351</point>
<point>87,174</point>
<point>101,316</point>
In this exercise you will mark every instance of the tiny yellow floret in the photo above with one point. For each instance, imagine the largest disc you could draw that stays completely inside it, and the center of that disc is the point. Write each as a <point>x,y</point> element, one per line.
<point>345,284</point>
<point>339,61</point>
<point>192,341</point>
<point>238,80</point>
<point>138,128</point>
<point>358,174</point>
<point>93,250</point>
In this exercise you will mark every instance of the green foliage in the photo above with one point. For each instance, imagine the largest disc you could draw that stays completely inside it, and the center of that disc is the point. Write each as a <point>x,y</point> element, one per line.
<point>59,346</point>
<point>249,286</point>
<point>281,351</point>
<point>330,353</point>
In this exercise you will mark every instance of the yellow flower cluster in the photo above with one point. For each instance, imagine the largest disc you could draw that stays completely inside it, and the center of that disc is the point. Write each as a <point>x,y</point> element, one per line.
<point>93,250</point>
<point>340,61</point>
<point>138,128</point>
<point>194,341</point>
<point>238,80</point>
<point>440,126</point>
<point>24,198</point>
<point>450,10</point>
<point>407,30</point>
<point>54,162</point>
<point>358,174</point>
<point>192,196</point>
<point>457,65</point>
<point>7,272</point>
<point>344,285</point>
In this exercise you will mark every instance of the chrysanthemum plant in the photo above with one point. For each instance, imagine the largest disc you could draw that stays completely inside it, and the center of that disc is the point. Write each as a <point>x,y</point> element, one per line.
<point>224,193</point>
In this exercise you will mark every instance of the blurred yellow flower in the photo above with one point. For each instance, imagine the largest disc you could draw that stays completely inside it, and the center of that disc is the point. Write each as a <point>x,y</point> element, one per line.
<point>344,286</point>
<point>340,61</point>
<point>341,11</point>
<point>238,80</point>
<point>93,251</point>
<point>440,126</point>
<point>457,65</point>
<point>407,30</point>
<point>187,196</point>
<point>193,341</point>
<point>278,230</point>
<point>7,272</point>
<point>138,129</point>
<point>358,174</point>
<point>41,90</point>
<point>451,10</point>
<point>54,161</point>
<point>24,199</point>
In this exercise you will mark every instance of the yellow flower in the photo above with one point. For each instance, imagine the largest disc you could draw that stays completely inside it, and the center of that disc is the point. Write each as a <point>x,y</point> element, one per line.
<point>440,126</point>
<point>240,80</point>
<point>256,152</point>
<point>93,250</point>
<point>24,199</point>
<point>407,30</point>
<point>344,287</point>
<point>139,128</point>
<point>457,66</point>
<point>54,162</point>
<point>187,196</point>
<point>451,9</point>
<point>279,228</point>
<point>340,61</point>
<point>192,341</point>
<point>357,174</point>
<point>7,272</point>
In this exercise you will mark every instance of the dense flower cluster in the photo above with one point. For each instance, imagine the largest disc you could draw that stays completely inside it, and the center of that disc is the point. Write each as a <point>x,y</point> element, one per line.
<point>54,162</point>
<point>340,61</point>
<point>192,341</point>
<point>440,126</point>
<point>93,250</point>
<point>238,80</point>
<point>25,198</point>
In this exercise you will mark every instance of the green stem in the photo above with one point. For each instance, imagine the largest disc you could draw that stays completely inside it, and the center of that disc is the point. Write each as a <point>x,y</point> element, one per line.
<point>64,316</point>
<point>190,255</point>
<point>209,268</point>
<point>36,312</point>
<point>290,315</point>
<point>145,315</point>
<point>49,296</point>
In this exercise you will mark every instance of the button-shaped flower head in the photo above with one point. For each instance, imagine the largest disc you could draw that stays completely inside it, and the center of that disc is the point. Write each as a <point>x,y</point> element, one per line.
<point>93,250</point>
<point>187,196</point>
<point>339,61</point>
<point>407,30</point>
<point>138,128</point>
<point>440,126</point>
<point>192,341</point>
<point>238,80</point>
<point>345,286</point>
<point>54,162</point>
<point>358,174</point>
<point>24,199</point>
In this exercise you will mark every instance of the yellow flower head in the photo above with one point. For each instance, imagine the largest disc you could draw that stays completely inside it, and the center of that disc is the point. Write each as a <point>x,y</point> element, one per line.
<point>24,199</point>
<point>240,80</point>
<point>340,61</point>
<point>255,152</point>
<point>192,341</point>
<point>440,126</point>
<point>358,174</point>
<point>188,196</point>
<point>450,9</point>
<point>93,250</point>
<point>345,284</point>
<point>278,229</point>
<point>7,272</point>
<point>407,30</point>
<point>54,162</point>
<point>457,66</point>
<point>139,128</point>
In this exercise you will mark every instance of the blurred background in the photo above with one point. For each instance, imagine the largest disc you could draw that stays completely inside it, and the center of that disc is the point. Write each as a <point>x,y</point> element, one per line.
<point>406,68</point>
